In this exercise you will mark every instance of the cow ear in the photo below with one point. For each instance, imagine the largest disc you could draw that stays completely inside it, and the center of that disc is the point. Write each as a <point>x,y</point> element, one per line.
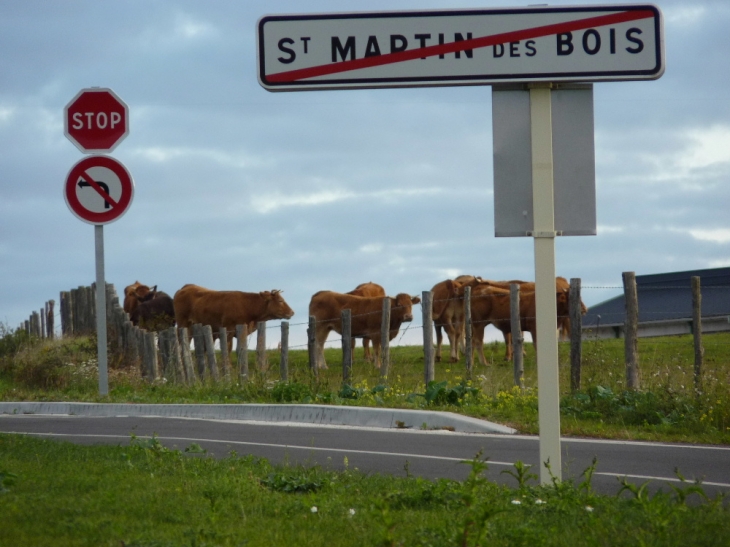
<point>415,299</point>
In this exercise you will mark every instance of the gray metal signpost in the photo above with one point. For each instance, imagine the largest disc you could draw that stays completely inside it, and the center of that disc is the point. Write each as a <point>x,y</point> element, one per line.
<point>534,46</point>
<point>98,189</point>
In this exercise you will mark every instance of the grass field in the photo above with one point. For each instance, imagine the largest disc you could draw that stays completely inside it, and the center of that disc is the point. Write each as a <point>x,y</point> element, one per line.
<point>141,494</point>
<point>667,407</point>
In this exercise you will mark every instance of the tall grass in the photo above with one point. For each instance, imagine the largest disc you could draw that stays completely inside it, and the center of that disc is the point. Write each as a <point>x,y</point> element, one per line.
<point>143,494</point>
<point>668,407</point>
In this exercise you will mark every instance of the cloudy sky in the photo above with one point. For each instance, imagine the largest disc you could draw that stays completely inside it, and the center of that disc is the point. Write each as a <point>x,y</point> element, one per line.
<point>238,188</point>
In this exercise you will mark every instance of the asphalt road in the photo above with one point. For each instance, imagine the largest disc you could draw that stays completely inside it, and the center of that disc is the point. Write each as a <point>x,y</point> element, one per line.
<point>430,454</point>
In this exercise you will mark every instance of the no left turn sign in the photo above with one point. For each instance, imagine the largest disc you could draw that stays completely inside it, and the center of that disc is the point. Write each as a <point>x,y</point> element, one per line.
<point>98,189</point>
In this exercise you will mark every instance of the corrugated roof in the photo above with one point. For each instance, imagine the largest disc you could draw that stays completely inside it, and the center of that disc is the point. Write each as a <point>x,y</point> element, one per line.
<point>667,296</point>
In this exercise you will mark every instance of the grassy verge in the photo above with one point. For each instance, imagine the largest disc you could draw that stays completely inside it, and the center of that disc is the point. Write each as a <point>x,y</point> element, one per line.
<point>145,495</point>
<point>668,407</point>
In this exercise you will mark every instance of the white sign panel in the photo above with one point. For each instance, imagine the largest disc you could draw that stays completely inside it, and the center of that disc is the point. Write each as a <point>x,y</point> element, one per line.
<point>464,47</point>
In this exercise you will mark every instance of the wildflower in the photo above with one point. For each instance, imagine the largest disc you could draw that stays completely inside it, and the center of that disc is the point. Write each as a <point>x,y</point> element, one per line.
<point>314,509</point>
<point>589,508</point>
<point>352,512</point>
<point>538,501</point>
<point>516,502</point>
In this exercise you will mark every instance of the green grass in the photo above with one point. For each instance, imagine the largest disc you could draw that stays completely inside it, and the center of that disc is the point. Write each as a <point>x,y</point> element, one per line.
<point>667,407</point>
<point>145,495</point>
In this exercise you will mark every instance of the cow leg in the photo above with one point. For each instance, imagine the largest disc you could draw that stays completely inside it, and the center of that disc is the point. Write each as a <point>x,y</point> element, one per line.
<point>366,348</point>
<point>507,344</point>
<point>376,351</point>
<point>439,341</point>
<point>477,331</point>
<point>453,335</point>
<point>320,337</point>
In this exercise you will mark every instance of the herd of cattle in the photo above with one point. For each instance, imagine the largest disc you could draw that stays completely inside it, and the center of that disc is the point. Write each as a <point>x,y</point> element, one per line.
<point>151,309</point>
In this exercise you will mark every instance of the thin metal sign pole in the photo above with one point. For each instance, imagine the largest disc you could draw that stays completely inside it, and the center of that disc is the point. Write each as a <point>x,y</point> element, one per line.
<point>101,310</point>
<point>545,304</point>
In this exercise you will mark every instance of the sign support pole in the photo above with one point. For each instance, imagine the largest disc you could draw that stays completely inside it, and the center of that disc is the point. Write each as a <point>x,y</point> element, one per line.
<point>545,304</point>
<point>101,309</point>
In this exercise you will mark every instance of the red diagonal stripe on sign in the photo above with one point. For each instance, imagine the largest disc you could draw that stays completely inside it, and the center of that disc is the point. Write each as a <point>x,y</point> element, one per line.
<point>453,47</point>
<point>95,185</point>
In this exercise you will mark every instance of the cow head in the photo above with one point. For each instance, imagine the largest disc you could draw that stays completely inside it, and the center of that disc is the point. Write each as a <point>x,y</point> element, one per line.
<point>562,299</point>
<point>276,307</point>
<point>143,293</point>
<point>402,306</point>
<point>136,293</point>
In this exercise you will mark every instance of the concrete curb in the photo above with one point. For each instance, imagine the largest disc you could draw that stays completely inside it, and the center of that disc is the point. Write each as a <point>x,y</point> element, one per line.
<point>389,418</point>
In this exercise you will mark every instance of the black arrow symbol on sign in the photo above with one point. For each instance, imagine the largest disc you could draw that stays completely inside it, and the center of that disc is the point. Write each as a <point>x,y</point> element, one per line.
<point>86,180</point>
<point>104,185</point>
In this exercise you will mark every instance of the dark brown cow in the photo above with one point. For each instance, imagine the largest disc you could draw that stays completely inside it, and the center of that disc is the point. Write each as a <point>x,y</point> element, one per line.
<point>326,307</point>
<point>194,304</point>
<point>156,314</point>
<point>367,289</point>
<point>491,304</point>
<point>563,323</point>
<point>136,293</point>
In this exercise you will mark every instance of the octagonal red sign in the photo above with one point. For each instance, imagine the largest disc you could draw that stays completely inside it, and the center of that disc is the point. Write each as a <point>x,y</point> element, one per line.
<point>96,120</point>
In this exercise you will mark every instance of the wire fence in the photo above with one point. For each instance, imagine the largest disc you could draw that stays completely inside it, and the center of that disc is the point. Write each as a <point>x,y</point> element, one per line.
<point>169,354</point>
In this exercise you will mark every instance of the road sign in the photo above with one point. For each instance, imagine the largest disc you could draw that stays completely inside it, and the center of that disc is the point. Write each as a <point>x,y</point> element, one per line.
<point>96,120</point>
<point>464,47</point>
<point>98,189</point>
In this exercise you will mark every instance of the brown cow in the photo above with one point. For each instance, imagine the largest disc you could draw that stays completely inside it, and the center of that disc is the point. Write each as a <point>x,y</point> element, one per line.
<point>326,307</point>
<point>136,293</point>
<point>491,304</point>
<point>367,289</point>
<point>448,312</point>
<point>194,304</point>
<point>445,297</point>
<point>156,314</point>
<point>563,323</point>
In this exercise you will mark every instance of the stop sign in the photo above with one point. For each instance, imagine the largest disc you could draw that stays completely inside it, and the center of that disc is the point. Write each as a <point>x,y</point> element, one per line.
<point>96,120</point>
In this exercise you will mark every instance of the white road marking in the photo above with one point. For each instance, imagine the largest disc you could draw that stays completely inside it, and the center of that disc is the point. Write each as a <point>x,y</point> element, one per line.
<point>349,451</point>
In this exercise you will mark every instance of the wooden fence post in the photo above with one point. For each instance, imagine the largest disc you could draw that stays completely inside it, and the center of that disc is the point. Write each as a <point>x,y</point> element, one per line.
<point>697,332</point>
<point>311,346</point>
<point>242,351</point>
<point>518,341</point>
<point>576,334</point>
<point>428,351</point>
<point>184,341</point>
<point>50,319</point>
<point>225,359</point>
<point>631,341</point>
<point>468,350</point>
<point>175,351</point>
<point>199,342</point>
<point>261,361</point>
<point>385,340</point>
<point>210,352</point>
<point>284,355</point>
<point>153,367</point>
<point>346,346</point>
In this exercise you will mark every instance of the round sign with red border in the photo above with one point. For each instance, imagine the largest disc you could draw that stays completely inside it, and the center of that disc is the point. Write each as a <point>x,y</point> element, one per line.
<point>98,189</point>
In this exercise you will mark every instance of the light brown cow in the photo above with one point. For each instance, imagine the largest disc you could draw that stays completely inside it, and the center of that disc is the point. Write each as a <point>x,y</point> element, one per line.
<point>448,313</point>
<point>445,297</point>
<point>135,294</point>
<point>367,289</point>
<point>491,304</point>
<point>326,307</point>
<point>195,304</point>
